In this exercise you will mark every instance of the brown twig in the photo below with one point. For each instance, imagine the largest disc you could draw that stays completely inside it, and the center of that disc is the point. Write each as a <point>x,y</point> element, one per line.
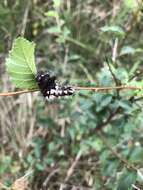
<point>71,169</point>
<point>97,89</point>
<point>109,88</point>
<point>17,92</point>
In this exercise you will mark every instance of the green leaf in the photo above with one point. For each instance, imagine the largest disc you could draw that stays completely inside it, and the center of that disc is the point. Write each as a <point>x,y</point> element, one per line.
<point>126,105</point>
<point>56,3</point>
<point>54,30</point>
<point>121,74</point>
<point>20,64</point>
<point>51,14</point>
<point>113,29</point>
<point>102,100</point>
<point>126,180</point>
<point>130,50</point>
<point>136,155</point>
<point>131,4</point>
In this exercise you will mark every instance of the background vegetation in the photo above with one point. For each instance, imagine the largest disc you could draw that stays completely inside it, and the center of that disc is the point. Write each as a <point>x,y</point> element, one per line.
<point>94,140</point>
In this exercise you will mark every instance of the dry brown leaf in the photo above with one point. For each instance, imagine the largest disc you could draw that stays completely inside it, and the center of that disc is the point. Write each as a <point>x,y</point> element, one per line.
<point>20,184</point>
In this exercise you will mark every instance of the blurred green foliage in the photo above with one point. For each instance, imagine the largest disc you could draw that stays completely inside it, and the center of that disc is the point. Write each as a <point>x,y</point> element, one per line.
<point>93,140</point>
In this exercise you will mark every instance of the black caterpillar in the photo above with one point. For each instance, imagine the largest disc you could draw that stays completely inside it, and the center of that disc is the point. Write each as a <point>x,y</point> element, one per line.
<point>49,88</point>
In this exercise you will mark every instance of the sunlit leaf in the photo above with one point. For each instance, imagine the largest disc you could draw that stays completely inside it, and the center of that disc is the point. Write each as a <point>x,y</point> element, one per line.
<point>56,3</point>
<point>51,14</point>
<point>131,4</point>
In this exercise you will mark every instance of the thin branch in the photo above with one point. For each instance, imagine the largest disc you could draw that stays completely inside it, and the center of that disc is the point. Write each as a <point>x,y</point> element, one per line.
<point>112,73</point>
<point>17,92</point>
<point>73,186</point>
<point>138,99</point>
<point>114,78</point>
<point>135,187</point>
<point>114,52</point>
<point>25,18</point>
<point>71,169</point>
<point>109,88</point>
<point>49,177</point>
<point>96,89</point>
